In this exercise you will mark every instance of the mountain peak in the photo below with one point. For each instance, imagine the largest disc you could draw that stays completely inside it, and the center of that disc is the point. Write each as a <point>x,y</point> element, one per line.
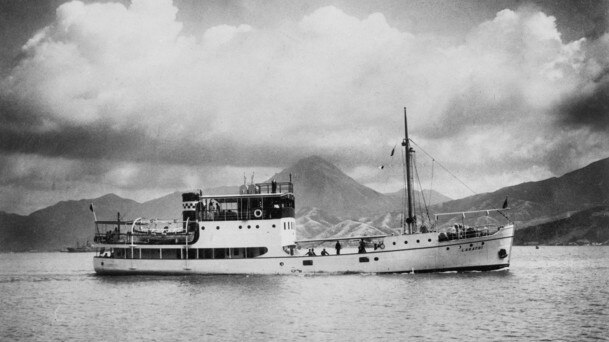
<point>314,162</point>
<point>319,183</point>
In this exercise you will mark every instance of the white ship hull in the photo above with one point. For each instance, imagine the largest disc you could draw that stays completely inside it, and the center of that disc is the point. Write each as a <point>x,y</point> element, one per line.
<point>421,253</point>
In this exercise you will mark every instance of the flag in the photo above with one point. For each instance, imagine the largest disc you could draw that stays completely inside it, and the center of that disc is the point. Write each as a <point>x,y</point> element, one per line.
<point>91,207</point>
<point>505,203</point>
<point>392,151</point>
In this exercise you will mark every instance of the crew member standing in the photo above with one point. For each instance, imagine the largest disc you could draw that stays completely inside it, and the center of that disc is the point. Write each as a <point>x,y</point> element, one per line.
<point>338,247</point>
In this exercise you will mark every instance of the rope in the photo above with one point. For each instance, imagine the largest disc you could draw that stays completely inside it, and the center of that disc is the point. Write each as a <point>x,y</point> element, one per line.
<point>445,169</point>
<point>416,171</point>
<point>431,182</point>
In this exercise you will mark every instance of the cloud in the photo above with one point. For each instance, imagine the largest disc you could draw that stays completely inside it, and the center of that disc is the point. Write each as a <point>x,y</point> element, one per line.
<point>588,106</point>
<point>588,109</point>
<point>126,86</point>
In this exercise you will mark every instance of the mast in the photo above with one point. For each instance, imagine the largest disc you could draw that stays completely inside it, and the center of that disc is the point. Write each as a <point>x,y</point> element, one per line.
<point>409,222</point>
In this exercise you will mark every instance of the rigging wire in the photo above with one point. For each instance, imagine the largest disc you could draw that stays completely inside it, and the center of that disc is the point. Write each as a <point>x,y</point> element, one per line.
<point>445,169</point>
<point>416,171</point>
<point>414,199</point>
<point>433,161</point>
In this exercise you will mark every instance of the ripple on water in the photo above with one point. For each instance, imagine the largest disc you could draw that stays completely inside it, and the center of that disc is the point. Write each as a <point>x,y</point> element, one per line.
<point>548,294</point>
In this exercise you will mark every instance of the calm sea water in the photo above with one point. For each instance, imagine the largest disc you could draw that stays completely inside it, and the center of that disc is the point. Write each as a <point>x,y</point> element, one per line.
<point>553,293</point>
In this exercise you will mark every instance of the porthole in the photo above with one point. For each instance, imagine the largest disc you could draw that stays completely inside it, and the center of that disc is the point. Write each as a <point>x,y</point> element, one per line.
<point>281,263</point>
<point>273,226</point>
<point>203,228</point>
<point>376,259</point>
<point>257,226</point>
<point>240,227</point>
<point>405,242</point>
<point>471,245</point>
<point>249,227</point>
<point>418,241</point>
<point>483,242</point>
<point>218,227</point>
<point>394,243</point>
<point>447,248</point>
<point>428,240</point>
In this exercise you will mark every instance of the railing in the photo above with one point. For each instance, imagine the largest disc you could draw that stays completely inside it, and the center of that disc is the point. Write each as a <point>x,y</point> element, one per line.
<point>459,232</point>
<point>143,231</point>
<point>279,187</point>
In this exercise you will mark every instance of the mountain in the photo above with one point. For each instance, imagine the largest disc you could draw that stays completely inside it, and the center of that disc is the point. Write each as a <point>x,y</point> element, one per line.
<point>547,200</point>
<point>10,225</point>
<point>314,223</point>
<point>170,206</point>
<point>311,222</point>
<point>431,196</point>
<point>584,227</point>
<point>59,225</point>
<point>565,208</point>
<point>320,184</point>
<point>166,207</point>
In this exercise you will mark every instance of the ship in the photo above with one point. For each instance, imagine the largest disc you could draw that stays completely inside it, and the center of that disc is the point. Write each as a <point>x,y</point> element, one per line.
<point>78,248</point>
<point>253,232</point>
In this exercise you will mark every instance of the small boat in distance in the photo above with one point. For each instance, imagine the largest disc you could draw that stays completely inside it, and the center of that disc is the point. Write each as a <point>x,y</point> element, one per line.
<point>85,248</point>
<point>253,232</point>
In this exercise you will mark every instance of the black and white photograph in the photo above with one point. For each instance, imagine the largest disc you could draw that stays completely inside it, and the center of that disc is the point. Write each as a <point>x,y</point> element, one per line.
<point>304,170</point>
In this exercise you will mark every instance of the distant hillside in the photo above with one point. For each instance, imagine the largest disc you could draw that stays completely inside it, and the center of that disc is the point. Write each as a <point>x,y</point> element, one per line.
<point>587,226</point>
<point>170,206</point>
<point>318,183</point>
<point>166,207</point>
<point>330,203</point>
<point>10,230</point>
<point>547,200</point>
<point>311,222</point>
<point>431,196</point>
<point>314,223</point>
<point>64,223</point>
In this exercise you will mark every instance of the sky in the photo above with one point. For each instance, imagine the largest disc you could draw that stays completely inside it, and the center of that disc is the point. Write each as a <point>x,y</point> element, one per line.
<point>143,98</point>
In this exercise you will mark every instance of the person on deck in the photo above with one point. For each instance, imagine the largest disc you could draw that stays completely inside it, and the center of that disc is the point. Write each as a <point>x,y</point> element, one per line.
<point>362,246</point>
<point>338,247</point>
<point>324,252</point>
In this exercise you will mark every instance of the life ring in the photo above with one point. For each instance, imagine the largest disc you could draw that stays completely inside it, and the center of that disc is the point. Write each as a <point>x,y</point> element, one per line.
<point>382,246</point>
<point>257,213</point>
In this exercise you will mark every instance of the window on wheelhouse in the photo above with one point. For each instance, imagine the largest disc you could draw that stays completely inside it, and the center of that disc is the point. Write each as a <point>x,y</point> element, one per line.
<point>245,207</point>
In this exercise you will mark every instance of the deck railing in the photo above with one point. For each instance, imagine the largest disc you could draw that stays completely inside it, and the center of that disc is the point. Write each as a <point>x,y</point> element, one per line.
<point>142,231</point>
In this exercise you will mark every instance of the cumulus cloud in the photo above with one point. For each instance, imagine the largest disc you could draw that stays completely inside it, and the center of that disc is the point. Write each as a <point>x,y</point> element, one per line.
<point>125,86</point>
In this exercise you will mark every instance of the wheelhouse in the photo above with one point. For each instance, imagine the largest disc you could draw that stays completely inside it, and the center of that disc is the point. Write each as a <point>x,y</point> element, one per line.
<point>262,201</point>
